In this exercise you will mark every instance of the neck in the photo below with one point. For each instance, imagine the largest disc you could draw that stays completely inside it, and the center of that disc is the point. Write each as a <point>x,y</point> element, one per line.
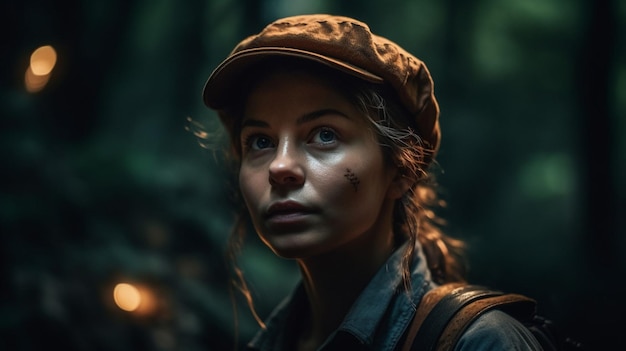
<point>333,282</point>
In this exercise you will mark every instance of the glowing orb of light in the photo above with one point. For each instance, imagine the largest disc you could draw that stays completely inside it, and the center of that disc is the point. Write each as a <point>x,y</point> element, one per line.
<point>127,297</point>
<point>42,60</point>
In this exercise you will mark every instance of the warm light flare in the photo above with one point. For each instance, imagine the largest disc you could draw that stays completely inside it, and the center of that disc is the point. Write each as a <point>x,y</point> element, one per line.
<point>42,60</point>
<point>126,296</point>
<point>37,75</point>
<point>135,298</point>
<point>33,82</point>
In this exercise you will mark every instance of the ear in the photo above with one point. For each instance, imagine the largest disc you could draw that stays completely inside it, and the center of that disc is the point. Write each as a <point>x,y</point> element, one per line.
<point>400,184</point>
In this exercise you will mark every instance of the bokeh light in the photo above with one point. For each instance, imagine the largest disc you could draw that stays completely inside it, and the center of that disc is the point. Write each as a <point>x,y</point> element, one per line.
<point>127,297</point>
<point>33,82</point>
<point>42,62</point>
<point>135,298</point>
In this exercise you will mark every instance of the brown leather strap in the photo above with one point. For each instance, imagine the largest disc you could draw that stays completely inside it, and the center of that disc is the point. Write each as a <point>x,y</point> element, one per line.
<point>461,305</point>
<point>429,300</point>
<point>469,313</point>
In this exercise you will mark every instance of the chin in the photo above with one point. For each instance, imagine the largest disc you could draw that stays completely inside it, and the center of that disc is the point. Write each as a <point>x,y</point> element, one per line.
<point>294,247</point>
<point>293,252</point>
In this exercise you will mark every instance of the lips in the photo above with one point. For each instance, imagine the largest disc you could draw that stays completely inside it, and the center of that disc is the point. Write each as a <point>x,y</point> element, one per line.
<point>287,212</point>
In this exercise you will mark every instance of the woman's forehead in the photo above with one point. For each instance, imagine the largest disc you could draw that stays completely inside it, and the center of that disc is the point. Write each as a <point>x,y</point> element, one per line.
<point>303,96</point>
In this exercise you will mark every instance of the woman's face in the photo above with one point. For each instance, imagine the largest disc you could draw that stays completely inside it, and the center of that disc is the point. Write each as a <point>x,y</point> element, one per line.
<point>312,173</point>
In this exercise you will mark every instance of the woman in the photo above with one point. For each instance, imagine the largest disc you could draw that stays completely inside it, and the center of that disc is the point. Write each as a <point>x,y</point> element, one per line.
<point>335,130</point>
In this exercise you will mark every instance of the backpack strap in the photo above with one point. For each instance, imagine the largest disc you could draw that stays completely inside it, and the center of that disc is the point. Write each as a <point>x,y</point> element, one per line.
<point>518,306</point>
<point>446,311</point>
<point>426,305</point>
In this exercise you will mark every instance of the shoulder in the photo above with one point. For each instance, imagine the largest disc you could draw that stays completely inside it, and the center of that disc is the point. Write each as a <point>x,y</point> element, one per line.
<point>496,330</point>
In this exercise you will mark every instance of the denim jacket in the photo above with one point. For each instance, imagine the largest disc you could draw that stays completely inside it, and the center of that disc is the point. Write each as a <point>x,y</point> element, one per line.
<point>382,313</point>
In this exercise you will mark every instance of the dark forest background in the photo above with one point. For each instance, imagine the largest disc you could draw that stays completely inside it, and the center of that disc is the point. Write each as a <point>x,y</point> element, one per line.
<point>102,183</point>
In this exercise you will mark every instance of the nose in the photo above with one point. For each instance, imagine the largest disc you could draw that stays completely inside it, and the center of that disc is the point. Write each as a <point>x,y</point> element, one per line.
<point>286,168</point>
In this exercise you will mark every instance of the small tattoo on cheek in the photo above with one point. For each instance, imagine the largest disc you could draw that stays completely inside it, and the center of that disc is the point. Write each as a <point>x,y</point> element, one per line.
<point>352,178</point>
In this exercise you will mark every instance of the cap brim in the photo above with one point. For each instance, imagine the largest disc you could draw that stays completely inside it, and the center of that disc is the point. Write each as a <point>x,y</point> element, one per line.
<point>226,76</point>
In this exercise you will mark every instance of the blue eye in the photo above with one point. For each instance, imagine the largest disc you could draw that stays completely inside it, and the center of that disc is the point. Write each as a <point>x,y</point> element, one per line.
<point>258,142</point>
<point>325,136</point>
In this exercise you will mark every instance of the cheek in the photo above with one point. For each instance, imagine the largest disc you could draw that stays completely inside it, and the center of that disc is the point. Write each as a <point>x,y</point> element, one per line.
<point>356,201</point>
<point>353,183</point>
<point>249,185</point>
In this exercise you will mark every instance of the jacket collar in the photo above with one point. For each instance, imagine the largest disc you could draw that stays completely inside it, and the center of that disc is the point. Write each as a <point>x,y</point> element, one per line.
<point>384,295</point>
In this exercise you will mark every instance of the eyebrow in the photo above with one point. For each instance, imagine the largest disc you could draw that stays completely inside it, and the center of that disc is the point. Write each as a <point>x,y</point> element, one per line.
<point>307,117</point>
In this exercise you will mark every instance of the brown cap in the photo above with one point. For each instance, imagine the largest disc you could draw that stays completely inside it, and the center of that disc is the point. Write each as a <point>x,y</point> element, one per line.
<point>342,43</point>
